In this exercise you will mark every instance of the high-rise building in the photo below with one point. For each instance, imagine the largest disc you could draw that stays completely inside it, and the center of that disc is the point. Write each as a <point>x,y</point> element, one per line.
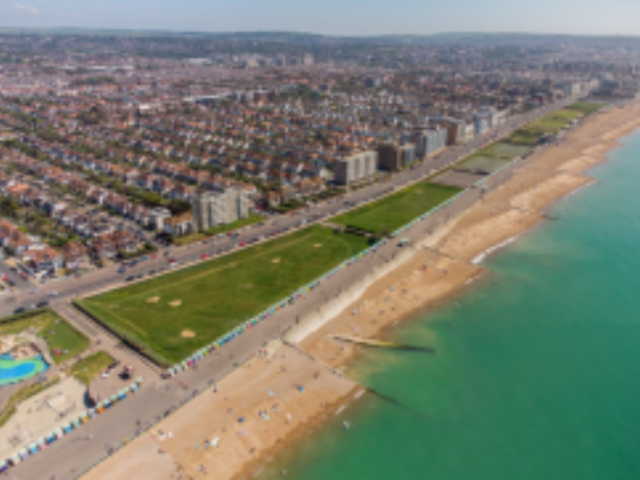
<point>219,207</point>
<point>394,157</point>
<point>356,167</point>
<point>429,141</point>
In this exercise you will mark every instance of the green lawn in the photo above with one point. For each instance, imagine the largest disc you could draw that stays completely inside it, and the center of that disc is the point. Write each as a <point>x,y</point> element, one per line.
<point>392,212</point>
<point>550,124</point>
<point>587,107</point>
<point>244,222</point>
<point>89,367</point>
<point>220,294</point>
<point>195,237</point>
<point>60,336</point>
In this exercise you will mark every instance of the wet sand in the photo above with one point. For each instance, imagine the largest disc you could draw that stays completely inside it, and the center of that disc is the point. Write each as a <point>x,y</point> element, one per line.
<point>441,266</point>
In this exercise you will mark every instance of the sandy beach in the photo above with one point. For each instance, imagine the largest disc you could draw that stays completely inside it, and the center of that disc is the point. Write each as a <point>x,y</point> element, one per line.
<point>287,390</point>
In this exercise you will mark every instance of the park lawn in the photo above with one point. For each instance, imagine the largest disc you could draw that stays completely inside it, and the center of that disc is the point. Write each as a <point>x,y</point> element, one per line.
<point>386,215</point>
<point>550,124</point>
<point>587,107</point>
<point>252,219</point>
<point>58,333</point>
<point>89,367</point>
<point>218,295</point>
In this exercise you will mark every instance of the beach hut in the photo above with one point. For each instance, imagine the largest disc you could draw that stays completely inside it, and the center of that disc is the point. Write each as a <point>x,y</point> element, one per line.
<point>41,444</point>
<point>24,454</point>
<point>76,423</point>
<point>50,437</point>
<point>33,448</point>
<point>113,399</point>
<point>122,394</point>
<point>59,433</point>
<point>4,466</point>
<point>16,459</point>
<point>68,427</point>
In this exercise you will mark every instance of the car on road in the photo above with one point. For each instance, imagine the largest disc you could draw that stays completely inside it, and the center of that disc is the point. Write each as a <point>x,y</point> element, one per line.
<point>204,256</point>
<point>122,270</point>
<point>130,278</point>
<point>18,310</point>
<point>242,244</point>
<point>42,304</point>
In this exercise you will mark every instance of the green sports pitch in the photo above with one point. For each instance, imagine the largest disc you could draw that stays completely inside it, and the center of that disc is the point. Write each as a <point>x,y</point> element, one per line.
<point>386,215</point>
<point>170,317</point>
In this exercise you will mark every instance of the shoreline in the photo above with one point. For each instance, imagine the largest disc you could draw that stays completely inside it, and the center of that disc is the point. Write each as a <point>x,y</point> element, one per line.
<point>430,273</point>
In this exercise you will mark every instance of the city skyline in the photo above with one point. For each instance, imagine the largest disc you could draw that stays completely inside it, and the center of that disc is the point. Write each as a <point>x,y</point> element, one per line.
<point>352,18</point>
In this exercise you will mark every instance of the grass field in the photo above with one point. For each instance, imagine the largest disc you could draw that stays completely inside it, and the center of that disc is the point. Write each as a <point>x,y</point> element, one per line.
<point>60,336</point>
<point>390,213</point>
<point>170,317</point>
<point>550,124</point>
<point>244,222</point>
<point>89,367</point>
<point>587,107</point>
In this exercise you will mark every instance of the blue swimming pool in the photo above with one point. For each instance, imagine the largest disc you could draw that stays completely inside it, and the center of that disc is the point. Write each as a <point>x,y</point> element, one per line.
<point>13,371</point>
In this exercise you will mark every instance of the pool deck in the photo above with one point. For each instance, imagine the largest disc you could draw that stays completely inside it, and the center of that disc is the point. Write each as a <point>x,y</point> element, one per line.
<point>39,415</point>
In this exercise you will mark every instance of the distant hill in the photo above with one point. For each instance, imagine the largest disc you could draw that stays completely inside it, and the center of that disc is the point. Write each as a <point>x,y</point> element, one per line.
<point>453,38</point>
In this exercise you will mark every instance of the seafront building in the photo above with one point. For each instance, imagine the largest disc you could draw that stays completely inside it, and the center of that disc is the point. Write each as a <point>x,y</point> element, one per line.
<point>394,157</point>
<point>429,141</point>
<point>219,207</point>
<point>355,167</point>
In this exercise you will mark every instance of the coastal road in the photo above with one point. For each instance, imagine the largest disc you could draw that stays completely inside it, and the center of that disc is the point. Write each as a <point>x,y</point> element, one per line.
<point>109,278</point>
<point>75,453</point>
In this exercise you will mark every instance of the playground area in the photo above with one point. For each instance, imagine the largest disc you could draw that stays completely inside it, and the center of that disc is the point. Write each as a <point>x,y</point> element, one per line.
<point>41,414</point>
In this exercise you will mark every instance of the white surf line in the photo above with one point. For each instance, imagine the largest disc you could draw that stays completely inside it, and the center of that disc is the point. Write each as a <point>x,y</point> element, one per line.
<point>481,257</point>
<point>359,394</point>
<point>340,410</point>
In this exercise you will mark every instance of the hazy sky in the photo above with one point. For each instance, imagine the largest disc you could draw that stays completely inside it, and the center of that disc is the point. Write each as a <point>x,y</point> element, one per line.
<point>345,17</point>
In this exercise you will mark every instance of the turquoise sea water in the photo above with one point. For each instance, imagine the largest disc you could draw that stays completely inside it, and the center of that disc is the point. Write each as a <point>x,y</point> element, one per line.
<point>537,370</point>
